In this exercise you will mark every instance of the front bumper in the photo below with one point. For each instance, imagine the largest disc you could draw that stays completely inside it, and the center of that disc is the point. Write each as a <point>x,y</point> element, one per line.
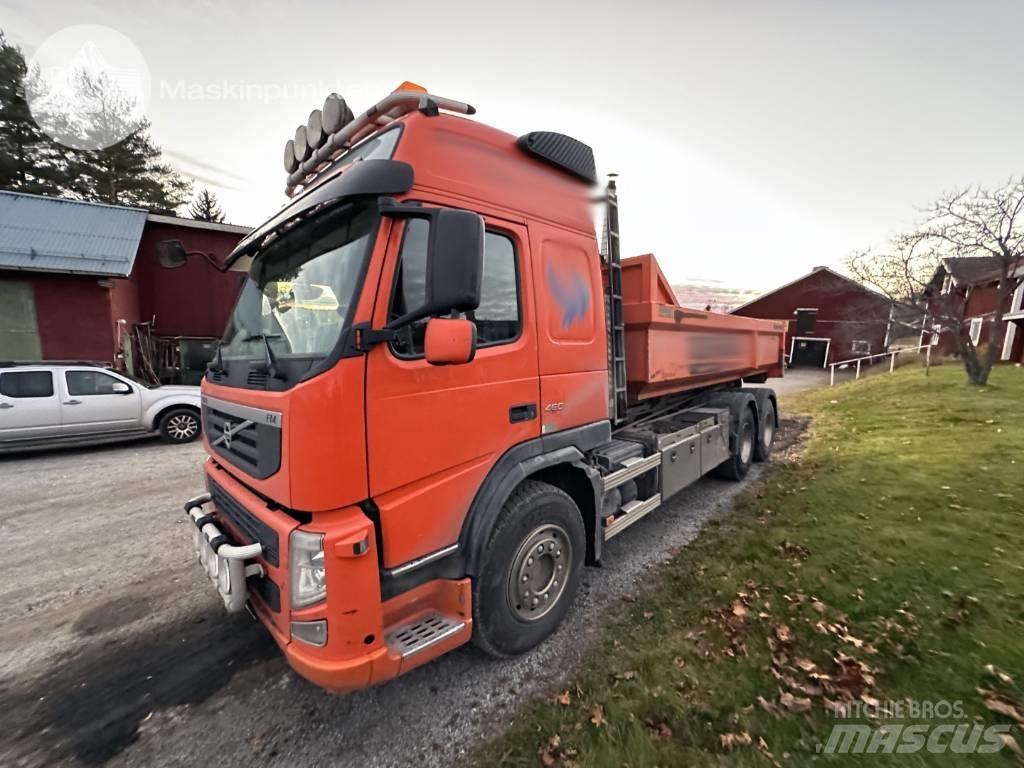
<point>225,564</point>
<point>357,652</point>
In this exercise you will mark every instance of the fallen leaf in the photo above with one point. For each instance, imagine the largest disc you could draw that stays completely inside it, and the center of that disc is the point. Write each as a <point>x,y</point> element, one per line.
<point>597,716</point>
<point>806,665</point>
<point>733,740</point>
<point>661,729</point>
<point>1011,743</point>
<point>818,606</point>
<point>738,609</point>
<point>784,634</point>
<point>794,703</point>
<point>994,703</point>
<point>996,672</point>
<point>564,698</point>
<point>550,752</point>
<point>768,706</point>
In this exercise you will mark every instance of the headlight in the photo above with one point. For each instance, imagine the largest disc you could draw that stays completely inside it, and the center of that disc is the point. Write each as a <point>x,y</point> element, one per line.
<point>306,557</point>
<point>224,577</point>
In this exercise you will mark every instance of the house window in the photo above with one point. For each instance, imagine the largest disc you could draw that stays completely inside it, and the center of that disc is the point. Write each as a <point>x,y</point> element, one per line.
<point>936,335</point>
<point>947,284</point>
<point>976,330</point>
<point>860,347</point>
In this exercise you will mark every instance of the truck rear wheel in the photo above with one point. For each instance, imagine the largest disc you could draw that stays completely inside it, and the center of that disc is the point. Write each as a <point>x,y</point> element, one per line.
<point>530,570</point>
<point>738,463</point>
<point>765,433</point>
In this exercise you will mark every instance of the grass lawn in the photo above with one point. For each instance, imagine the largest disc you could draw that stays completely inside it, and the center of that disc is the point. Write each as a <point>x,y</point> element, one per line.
<point>875,578</point>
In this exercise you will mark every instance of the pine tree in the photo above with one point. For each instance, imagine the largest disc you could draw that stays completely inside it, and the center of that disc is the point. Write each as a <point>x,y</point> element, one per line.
<point>131,172</point>
<point>206,207</point>
<point>30,161</point>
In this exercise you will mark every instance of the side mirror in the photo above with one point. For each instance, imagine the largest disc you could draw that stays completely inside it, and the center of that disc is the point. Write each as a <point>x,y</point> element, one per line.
<point>171,254</point>
<point>449,341</point>
<point>120,388</point>
<point>455,261</point>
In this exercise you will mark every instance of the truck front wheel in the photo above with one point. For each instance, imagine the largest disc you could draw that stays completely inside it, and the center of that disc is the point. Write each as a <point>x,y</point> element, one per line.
<point>738,463</point>
<point>530,570</point>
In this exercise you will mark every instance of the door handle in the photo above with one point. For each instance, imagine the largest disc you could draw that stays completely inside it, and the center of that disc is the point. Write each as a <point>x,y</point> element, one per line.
<point>518,413</point>
<point>5,406</point>
<point>72,402</point>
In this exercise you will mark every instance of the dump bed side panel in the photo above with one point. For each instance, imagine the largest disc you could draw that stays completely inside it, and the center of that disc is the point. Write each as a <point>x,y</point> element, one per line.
<point>672,349</point>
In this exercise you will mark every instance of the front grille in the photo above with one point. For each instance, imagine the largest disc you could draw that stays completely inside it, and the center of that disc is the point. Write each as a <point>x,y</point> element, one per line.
<point>256,379</point>
<point>250,526</point>
<point>253,445</point>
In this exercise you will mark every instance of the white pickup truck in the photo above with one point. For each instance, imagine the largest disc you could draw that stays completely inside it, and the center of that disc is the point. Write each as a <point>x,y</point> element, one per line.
<point>44,405</point>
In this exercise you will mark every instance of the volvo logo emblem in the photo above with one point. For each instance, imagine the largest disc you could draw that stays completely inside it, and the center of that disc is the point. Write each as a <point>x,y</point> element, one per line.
<point>228,431</point>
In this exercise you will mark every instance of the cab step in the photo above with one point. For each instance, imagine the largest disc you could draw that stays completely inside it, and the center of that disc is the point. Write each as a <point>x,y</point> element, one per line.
<point>422,633</point>
<point>629,514</point>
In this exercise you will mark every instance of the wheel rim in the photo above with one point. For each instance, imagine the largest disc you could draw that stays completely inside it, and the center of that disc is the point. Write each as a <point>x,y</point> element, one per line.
<point>540,570</point>
<point>769,430</point>
<point>746,446</point>
<point>182,427</point>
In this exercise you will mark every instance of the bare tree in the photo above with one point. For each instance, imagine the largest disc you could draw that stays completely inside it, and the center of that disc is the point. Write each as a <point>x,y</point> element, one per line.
<point>976,223</point>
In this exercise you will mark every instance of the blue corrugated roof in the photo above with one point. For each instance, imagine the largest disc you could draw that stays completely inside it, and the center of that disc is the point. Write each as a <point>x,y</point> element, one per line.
<point>50,234</point>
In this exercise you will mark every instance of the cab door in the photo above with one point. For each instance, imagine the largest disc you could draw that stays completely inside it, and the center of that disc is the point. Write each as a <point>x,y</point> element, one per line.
<point>97,401</point>
<point>433,432</point>
<point>29,407</point>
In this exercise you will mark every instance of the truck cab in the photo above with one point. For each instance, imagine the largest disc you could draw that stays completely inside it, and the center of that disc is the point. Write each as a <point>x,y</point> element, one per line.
<point>410,419</point>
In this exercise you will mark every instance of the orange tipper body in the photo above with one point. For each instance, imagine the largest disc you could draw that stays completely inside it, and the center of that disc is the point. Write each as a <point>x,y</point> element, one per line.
<point>397,468</point>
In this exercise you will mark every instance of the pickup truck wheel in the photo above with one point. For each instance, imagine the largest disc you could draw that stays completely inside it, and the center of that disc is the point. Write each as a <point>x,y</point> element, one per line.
<point>179,425</point>
<point>766,433</point>
<point>530,570</point>
<point>738,463</point>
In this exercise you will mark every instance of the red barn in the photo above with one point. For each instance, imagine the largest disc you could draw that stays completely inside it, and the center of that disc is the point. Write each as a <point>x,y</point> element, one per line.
<point>972,284</point>
<point>77,279</point>
<point>831,318</point>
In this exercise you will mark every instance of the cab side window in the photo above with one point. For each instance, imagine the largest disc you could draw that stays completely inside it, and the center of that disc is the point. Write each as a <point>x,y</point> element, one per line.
<point>497,319</point>
<point>26,384</point>
<point>91,383</point>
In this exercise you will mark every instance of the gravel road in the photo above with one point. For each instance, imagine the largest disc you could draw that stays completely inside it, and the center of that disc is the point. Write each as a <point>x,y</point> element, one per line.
<point>115,650</point>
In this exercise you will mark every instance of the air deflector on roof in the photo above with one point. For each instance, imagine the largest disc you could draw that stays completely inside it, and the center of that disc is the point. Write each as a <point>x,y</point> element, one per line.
<point>561,151</point>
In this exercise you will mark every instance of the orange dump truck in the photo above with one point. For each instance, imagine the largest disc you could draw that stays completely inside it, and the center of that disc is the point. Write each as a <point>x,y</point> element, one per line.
<point>438,397</point>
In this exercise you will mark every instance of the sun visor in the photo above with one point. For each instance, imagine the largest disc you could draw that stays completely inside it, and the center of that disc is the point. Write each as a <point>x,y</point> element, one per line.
<point>367,177</point>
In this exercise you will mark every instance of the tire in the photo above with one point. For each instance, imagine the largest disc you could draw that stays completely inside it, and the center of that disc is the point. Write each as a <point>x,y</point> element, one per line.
<point>536,516</point>
<point>180,425</point>
<point>765,433</point>
<point>738,463</point>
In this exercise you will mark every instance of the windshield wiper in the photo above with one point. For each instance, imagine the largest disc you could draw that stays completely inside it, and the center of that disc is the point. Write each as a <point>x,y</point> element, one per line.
<point>272,368</point>
<point>217,366</point>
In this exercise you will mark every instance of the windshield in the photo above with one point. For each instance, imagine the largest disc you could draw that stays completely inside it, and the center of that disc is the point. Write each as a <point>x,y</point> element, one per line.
<point>300,287</point>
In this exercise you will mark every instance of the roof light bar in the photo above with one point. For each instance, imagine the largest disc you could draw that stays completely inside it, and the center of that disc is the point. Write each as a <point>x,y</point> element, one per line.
<point>309,154</point>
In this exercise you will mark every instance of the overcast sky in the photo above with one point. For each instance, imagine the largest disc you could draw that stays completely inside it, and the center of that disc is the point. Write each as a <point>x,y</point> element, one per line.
<point>754,140</point>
